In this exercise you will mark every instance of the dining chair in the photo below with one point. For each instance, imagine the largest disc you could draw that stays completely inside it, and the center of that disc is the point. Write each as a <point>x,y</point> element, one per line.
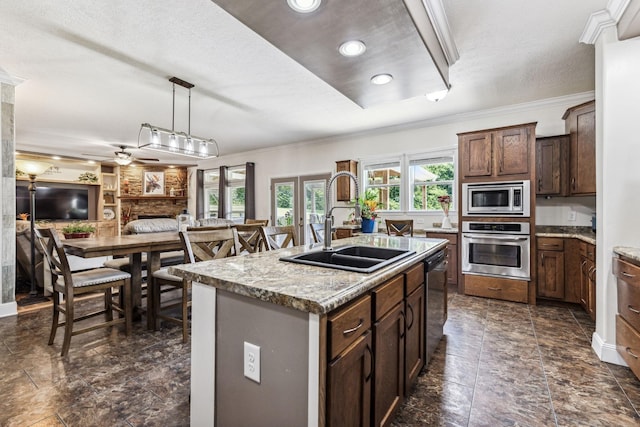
<point>262,222</point>
<point>277,237</point>
<point>399,227</point>
<point>317,232</point>
<point>67,285</point>
<point>198,245</point>
<point>250,238</point>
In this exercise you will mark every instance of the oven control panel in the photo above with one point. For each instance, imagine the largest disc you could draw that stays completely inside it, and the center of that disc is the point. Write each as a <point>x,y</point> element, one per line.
<point>495,227</point>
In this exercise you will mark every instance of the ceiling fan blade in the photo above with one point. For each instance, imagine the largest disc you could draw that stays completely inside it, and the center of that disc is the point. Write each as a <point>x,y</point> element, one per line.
<point>144,159</point>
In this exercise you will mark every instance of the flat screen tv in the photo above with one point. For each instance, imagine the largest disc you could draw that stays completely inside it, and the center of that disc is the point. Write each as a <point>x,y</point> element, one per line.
<point>55,203</point>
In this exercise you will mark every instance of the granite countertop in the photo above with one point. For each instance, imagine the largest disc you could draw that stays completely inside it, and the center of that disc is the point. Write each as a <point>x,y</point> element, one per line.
<point>582,233</point>
<point>629,252</point>
<point>302,287</point>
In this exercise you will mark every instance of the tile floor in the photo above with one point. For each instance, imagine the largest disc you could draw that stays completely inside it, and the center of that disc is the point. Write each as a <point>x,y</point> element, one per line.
<point>500,364</point>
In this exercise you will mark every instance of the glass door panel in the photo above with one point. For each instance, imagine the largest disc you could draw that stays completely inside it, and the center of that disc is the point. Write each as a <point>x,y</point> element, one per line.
<point>314,204</point>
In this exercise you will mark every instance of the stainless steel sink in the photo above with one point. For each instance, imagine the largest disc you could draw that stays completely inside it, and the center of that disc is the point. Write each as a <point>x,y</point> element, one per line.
<point>362,259</point>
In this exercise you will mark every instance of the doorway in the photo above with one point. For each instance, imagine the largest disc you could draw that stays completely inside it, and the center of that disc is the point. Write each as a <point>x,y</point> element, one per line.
<point>299,201</point>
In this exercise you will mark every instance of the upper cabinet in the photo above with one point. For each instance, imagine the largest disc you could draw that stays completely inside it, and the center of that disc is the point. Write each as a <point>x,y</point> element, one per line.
<point>552,165</point>
<point>504,153</point>
<point>580,124</point>
<point>345,189</point>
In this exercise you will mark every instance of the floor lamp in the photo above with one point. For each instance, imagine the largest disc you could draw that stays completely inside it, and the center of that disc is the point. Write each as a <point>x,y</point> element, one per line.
<point>33,169</point>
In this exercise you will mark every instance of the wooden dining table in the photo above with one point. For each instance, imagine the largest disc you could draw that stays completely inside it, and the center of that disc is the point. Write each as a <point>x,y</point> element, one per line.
<point>133,245</point>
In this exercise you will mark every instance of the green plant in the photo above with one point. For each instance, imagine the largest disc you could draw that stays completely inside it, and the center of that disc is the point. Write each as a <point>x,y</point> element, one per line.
<point>368,204</point>
<point>78,227</point>
<point>88,177</point>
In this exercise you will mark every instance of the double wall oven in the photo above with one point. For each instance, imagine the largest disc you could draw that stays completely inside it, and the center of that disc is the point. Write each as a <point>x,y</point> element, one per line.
<point>491,245</point>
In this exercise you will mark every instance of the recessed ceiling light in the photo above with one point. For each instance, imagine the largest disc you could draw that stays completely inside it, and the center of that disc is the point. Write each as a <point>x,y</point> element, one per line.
<point>381,79</point>
<point>437,95</point>
<point>352,48</point>
<point>304,6</point>
<point>91,162</point>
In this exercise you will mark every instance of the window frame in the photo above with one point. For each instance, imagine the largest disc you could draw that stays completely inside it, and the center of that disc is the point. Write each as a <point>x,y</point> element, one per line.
<point>208,188</point>
<point>432,157</point>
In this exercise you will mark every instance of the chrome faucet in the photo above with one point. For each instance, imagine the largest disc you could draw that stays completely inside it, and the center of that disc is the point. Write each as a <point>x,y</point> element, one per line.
<point>329,210</point>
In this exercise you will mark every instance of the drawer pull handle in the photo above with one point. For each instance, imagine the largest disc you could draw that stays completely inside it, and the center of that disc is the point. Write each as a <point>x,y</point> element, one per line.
<point>495,289</point>
<point>625,274</point>
<point>352,330</point>
<point>633,310</point>
<point>628,349</point>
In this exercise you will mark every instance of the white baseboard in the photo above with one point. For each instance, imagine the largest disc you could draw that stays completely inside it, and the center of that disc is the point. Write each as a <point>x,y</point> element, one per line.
<point>8,309</point>
<point>606,352</point>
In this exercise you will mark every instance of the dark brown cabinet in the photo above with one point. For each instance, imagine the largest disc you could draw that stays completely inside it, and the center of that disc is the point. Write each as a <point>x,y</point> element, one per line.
<point>588,278</point>
<point>497,153</point>
<point>350,368</point>
<point>551,267</point>
<point>580,124</point>
<point>349,381</point>
<point>345,189</point>
<point>552,165</point>
<point>627,273</point>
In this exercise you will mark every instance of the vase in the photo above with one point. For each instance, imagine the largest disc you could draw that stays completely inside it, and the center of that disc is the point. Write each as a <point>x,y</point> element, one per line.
<point>368,225</point>
<point>76,235</point>
<point>445,222</point>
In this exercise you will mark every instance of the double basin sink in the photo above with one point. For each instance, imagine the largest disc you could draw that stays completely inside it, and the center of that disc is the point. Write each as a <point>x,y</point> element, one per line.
<point>361,259</point>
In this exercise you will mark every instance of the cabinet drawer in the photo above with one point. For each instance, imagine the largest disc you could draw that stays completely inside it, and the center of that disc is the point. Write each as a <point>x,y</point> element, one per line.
<point>628,284</point>
<point>628,344</point>
<point>347,324</point>
<point>452,238</point>
<point>588,251</point>
<point>550,244</point>
<point>386,296</point>
<point>414,277</point>
<point>493,287</point>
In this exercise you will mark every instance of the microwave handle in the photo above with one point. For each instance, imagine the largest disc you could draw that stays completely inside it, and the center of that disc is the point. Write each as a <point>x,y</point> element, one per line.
<point>493,236</point>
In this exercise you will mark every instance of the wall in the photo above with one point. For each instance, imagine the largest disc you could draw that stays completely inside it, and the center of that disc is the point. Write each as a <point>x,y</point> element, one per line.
<point>556,210</point>
<point>8,194</point>
<point>314,157</point>
<point>618,154</point>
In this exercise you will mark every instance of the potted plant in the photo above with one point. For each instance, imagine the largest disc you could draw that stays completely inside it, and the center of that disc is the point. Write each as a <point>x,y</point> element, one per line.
<point>368,205</point>
<point>77,230</point>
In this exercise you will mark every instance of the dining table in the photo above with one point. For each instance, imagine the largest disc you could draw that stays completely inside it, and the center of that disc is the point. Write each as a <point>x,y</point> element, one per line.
<point>132,245</point>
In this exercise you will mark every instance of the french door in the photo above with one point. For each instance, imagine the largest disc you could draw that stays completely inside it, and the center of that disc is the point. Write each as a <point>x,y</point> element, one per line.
<point>299,201</point>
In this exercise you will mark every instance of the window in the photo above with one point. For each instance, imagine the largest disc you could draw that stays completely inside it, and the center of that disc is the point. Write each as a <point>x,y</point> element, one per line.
<point>431,177</point>
<point>411,183</point>
<point>384,180</point>
<point>211,192</point>
<point>236,178</point>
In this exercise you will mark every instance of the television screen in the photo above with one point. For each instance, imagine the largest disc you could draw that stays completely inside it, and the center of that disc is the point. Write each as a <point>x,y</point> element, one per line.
<point>55,203</point>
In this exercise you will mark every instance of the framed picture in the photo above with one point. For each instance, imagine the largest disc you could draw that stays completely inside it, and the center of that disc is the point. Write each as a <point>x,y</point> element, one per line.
<point>152,183</point>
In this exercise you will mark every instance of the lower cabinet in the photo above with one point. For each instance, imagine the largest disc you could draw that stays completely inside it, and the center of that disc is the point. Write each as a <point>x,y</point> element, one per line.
<point>376,350</point>
<point>627,274</point>
<point>550,275</point>
<point>588,278</point>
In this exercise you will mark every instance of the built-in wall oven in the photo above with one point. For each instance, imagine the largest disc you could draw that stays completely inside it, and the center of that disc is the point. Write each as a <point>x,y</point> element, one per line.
<point>501,198</point>
<point>496,249</point>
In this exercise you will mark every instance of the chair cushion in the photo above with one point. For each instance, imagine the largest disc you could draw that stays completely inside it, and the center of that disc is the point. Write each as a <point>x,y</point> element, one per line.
<point>163,274</point>
<point>96,276</point>
<point>204,222</point>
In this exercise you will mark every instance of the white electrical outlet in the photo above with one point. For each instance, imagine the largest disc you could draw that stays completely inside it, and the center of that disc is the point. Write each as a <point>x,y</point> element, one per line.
<point>252,362</point>
<point>572,215</point>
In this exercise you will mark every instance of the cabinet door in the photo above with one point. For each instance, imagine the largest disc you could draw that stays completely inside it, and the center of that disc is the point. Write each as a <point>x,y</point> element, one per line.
<point>581,125</point>
<point>591,307</point>
<point>414,343</point>
<point>551,274</point>
<point>586,267</point>
<point>476,154</point>
<point>551,166</point>
<point>388,389</point>
<point>452,266</point>
<point>349,381</point>
<point>512,151</point>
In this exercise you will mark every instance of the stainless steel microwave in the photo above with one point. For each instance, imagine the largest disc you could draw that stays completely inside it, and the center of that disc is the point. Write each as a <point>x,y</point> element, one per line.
<point>508,198</point>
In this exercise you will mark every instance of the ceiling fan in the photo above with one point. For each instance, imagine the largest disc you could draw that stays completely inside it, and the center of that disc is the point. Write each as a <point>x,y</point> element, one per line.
<point>124,157</point>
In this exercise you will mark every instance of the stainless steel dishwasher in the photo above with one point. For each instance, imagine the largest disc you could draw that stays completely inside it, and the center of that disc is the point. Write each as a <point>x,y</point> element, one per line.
<point>436,306</point>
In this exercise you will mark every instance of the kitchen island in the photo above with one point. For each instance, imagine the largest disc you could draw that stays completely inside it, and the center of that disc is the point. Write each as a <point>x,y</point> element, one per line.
<point>287,310</point>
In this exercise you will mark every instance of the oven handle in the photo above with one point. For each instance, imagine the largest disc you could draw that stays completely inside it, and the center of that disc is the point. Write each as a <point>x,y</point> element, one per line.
<point>497,237</point>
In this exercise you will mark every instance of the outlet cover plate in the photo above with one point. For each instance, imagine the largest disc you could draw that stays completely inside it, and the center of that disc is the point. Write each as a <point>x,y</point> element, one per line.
<point>252,362</point>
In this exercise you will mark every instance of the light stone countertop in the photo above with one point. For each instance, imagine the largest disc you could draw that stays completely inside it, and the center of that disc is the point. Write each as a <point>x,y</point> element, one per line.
<point>303,287</point>
<point>629,252</point>
<point>581,233</point>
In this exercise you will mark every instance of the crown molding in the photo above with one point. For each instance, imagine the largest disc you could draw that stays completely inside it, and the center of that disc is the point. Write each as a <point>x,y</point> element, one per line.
<point>438,17</point>
<point>602,19</point>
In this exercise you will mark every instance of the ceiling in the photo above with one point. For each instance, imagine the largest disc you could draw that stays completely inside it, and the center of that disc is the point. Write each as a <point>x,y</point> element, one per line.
<point>94,71</point>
